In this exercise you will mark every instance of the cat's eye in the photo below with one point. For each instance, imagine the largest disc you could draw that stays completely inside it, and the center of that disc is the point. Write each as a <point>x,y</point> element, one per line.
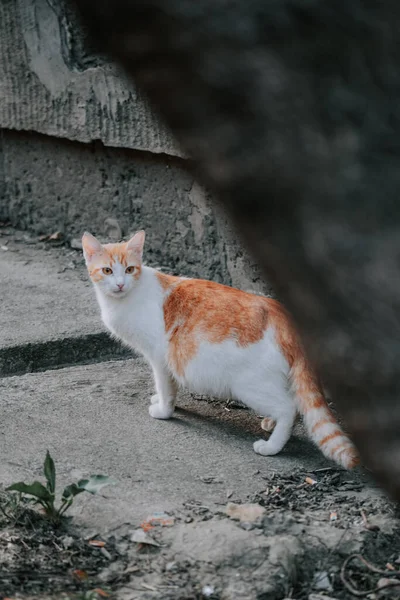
<point>129,270</point>
<point>107,271</point>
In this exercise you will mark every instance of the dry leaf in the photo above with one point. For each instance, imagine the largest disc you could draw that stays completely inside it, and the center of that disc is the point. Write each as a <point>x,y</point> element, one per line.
<point>96,543</point>
<point>101,593</point>
<point>57,235</point>
<point>132,569</point>
<point>80,575</point>
<point>386,582</point>
<point>161,519</point>
<point>310,481</point>
<point>140,537</point>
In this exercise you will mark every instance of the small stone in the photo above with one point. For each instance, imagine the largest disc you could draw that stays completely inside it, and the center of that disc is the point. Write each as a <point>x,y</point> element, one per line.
<point>76,244</point>
<point>67,541</point>
<point>321,581</point>
<point>247,526</point>
<point>245,513</point>
<point>111,572</point>
<point>208,590</point>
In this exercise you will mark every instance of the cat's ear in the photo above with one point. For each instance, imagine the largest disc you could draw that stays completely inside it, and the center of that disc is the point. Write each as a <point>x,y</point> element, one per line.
<point>91,246</point>
<point>136,243</point>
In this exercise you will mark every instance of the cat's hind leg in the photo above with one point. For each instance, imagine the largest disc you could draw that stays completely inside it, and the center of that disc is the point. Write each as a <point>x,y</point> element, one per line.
<point>163,402</point>
<point>279,405</point>
<point>280,434</point>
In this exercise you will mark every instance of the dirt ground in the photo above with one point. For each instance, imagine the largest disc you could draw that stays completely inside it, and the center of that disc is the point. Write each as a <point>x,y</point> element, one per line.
<point>309,532</point>
<point>296,549</point>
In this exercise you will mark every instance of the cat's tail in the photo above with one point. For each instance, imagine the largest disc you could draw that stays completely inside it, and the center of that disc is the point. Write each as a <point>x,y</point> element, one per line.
<point>320,423</point>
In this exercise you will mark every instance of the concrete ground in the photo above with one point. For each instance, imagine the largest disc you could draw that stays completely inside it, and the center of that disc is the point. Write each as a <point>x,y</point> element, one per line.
<point>92,415</point>
<point>94,418</point>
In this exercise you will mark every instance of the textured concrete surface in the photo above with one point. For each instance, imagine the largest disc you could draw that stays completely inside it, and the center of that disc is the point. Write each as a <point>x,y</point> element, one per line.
<point>39,299</point>
<point>55,185</point>
<point>53,82</point>
<point>48,316</point>
<point>95,419</point>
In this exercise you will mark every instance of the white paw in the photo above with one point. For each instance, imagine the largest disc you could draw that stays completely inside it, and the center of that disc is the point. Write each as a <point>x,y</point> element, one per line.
<point>160,411</point>
<point>268,424</point>
<point>155,399</point>
<point>264,448</point>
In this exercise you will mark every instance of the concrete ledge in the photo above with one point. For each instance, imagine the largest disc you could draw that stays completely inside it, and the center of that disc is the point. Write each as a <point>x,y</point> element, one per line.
<point>56,354</point>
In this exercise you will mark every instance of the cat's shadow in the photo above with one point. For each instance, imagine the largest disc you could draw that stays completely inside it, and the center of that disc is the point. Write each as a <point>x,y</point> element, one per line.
<point>240,425</point>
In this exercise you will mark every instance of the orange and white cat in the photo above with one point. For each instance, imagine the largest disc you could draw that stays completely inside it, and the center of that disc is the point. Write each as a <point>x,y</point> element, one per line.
<point>213,339</point>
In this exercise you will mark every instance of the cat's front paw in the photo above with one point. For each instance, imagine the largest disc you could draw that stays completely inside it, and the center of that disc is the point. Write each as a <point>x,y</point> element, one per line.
<point>160,411</point>
<point>155,399</point>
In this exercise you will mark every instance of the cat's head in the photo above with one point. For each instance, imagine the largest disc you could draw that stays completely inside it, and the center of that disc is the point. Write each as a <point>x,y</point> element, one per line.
<point>114,269</point>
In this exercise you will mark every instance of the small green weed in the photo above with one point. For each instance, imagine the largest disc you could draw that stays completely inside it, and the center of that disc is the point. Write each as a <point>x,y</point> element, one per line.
<point>46,495</point>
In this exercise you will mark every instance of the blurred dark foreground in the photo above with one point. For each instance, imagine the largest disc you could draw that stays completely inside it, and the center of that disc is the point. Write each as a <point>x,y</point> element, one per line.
<point>290,110</point>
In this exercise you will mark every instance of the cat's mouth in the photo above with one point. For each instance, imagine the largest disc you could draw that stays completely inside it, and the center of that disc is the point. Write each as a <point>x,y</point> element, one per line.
<point>119,292</point>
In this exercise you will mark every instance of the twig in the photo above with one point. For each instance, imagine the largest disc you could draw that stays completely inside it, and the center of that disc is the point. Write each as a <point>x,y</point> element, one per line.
<point>375,569</point>
<point>325,469</point>
<point>4,513</point>
<point>360,593</point>
<point>368,525</point>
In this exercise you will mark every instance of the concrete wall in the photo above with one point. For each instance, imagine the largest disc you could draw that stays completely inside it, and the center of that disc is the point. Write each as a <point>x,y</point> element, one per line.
<point>79,145</point>
<point>53,82</point>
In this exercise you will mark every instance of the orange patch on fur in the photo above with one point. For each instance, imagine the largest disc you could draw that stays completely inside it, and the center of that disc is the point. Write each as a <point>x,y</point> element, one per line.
<point>196,309</point>
<point>111,254</point>
<point>137,272</point>
<point>117,252</point>
<point>329,437</point>
<point>303,376</point>
<point>166,281</point>
<point>322,422</point>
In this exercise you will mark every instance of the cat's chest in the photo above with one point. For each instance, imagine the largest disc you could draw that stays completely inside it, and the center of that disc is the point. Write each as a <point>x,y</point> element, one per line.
<point>124,322</point>
<point>138,326</point>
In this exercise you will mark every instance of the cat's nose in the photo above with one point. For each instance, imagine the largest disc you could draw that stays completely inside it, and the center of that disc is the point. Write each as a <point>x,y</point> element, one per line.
<point>120,285</point>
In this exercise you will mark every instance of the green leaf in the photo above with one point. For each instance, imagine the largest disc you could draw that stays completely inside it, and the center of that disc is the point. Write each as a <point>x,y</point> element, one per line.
<point>50,473</point>
<point>70,491</point>
<point>91,485</point>
<point>95,483</point>
<point>35,489</point>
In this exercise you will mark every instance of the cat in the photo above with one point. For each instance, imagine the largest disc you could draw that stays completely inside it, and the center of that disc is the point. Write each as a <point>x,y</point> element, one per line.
<point>213,339</point>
